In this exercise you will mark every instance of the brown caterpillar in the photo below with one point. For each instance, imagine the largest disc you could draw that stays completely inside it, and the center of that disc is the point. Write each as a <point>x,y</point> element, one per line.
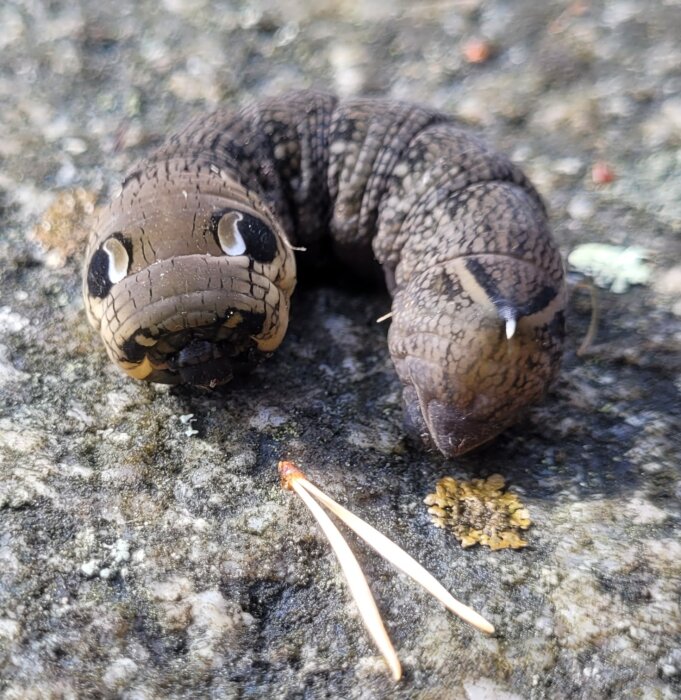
<point>190,270</point>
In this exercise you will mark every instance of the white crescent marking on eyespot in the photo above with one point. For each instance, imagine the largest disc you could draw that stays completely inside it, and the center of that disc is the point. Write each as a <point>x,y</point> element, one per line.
<point>231,241</point>
<point>118,259</point>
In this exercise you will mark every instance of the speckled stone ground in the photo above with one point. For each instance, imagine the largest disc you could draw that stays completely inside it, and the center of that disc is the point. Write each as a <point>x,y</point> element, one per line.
<point>146,549</point>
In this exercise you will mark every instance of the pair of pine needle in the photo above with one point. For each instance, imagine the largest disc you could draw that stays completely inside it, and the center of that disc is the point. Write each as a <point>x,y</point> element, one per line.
<point>293,478</point>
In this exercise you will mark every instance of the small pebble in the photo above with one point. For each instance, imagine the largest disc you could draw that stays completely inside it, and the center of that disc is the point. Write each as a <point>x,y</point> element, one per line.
<point>90,567</point>
<point>602,173</point>
<point>477,50</point>
<point>580,207</point>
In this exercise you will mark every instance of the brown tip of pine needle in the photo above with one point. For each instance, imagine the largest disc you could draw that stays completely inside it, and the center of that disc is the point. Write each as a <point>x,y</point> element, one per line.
<point>288,472</point>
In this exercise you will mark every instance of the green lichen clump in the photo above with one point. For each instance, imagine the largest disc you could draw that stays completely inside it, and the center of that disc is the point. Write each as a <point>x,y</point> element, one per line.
<point>479,512</point>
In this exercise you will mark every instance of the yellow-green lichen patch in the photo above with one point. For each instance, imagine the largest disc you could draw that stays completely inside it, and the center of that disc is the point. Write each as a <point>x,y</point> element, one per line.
<point>479,512</point>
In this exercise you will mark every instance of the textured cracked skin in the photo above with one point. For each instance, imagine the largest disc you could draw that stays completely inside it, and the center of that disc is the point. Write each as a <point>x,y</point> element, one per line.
<point>190,269</point>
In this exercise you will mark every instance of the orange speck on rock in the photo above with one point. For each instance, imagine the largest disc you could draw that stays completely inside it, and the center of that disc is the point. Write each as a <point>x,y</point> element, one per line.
<point>477,50</point>
<point>602,173</point>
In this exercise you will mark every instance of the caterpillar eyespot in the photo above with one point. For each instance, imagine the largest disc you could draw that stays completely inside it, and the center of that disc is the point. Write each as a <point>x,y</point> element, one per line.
<point>190,270</point>
<point>109,265</point>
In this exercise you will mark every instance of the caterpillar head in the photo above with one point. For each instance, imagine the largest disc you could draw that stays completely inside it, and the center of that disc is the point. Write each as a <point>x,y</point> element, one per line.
<point>475,341</point>
<point>187,277</point>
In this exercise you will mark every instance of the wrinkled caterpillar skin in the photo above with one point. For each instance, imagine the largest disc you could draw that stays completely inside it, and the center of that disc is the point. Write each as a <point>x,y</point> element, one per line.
<point>190,270</point>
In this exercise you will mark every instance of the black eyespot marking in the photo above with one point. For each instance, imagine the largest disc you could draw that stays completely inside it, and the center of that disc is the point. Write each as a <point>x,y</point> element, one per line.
<point>261,243</point>
<point>98,281</point>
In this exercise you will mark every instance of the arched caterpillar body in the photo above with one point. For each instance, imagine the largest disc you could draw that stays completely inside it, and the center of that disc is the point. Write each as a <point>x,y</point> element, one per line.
<point>190,270</point>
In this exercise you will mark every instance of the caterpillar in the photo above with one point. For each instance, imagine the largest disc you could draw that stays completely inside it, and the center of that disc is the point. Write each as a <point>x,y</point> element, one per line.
<point>190,269</point>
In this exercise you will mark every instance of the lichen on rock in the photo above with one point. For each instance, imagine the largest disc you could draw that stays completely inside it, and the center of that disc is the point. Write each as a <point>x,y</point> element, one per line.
<point>64,228</point>
<point>479,512</point>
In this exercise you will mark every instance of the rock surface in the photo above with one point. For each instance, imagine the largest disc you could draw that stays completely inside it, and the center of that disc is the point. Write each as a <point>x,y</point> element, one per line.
<point>146,549</point>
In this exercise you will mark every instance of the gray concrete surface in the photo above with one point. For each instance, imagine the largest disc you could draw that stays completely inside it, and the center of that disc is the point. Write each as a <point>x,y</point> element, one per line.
<point>146,549</point>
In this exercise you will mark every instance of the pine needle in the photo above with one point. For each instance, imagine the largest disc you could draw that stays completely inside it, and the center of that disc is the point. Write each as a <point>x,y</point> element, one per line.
<point>294,479</point>
<point>399,558</point>
<point>355,578</point>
